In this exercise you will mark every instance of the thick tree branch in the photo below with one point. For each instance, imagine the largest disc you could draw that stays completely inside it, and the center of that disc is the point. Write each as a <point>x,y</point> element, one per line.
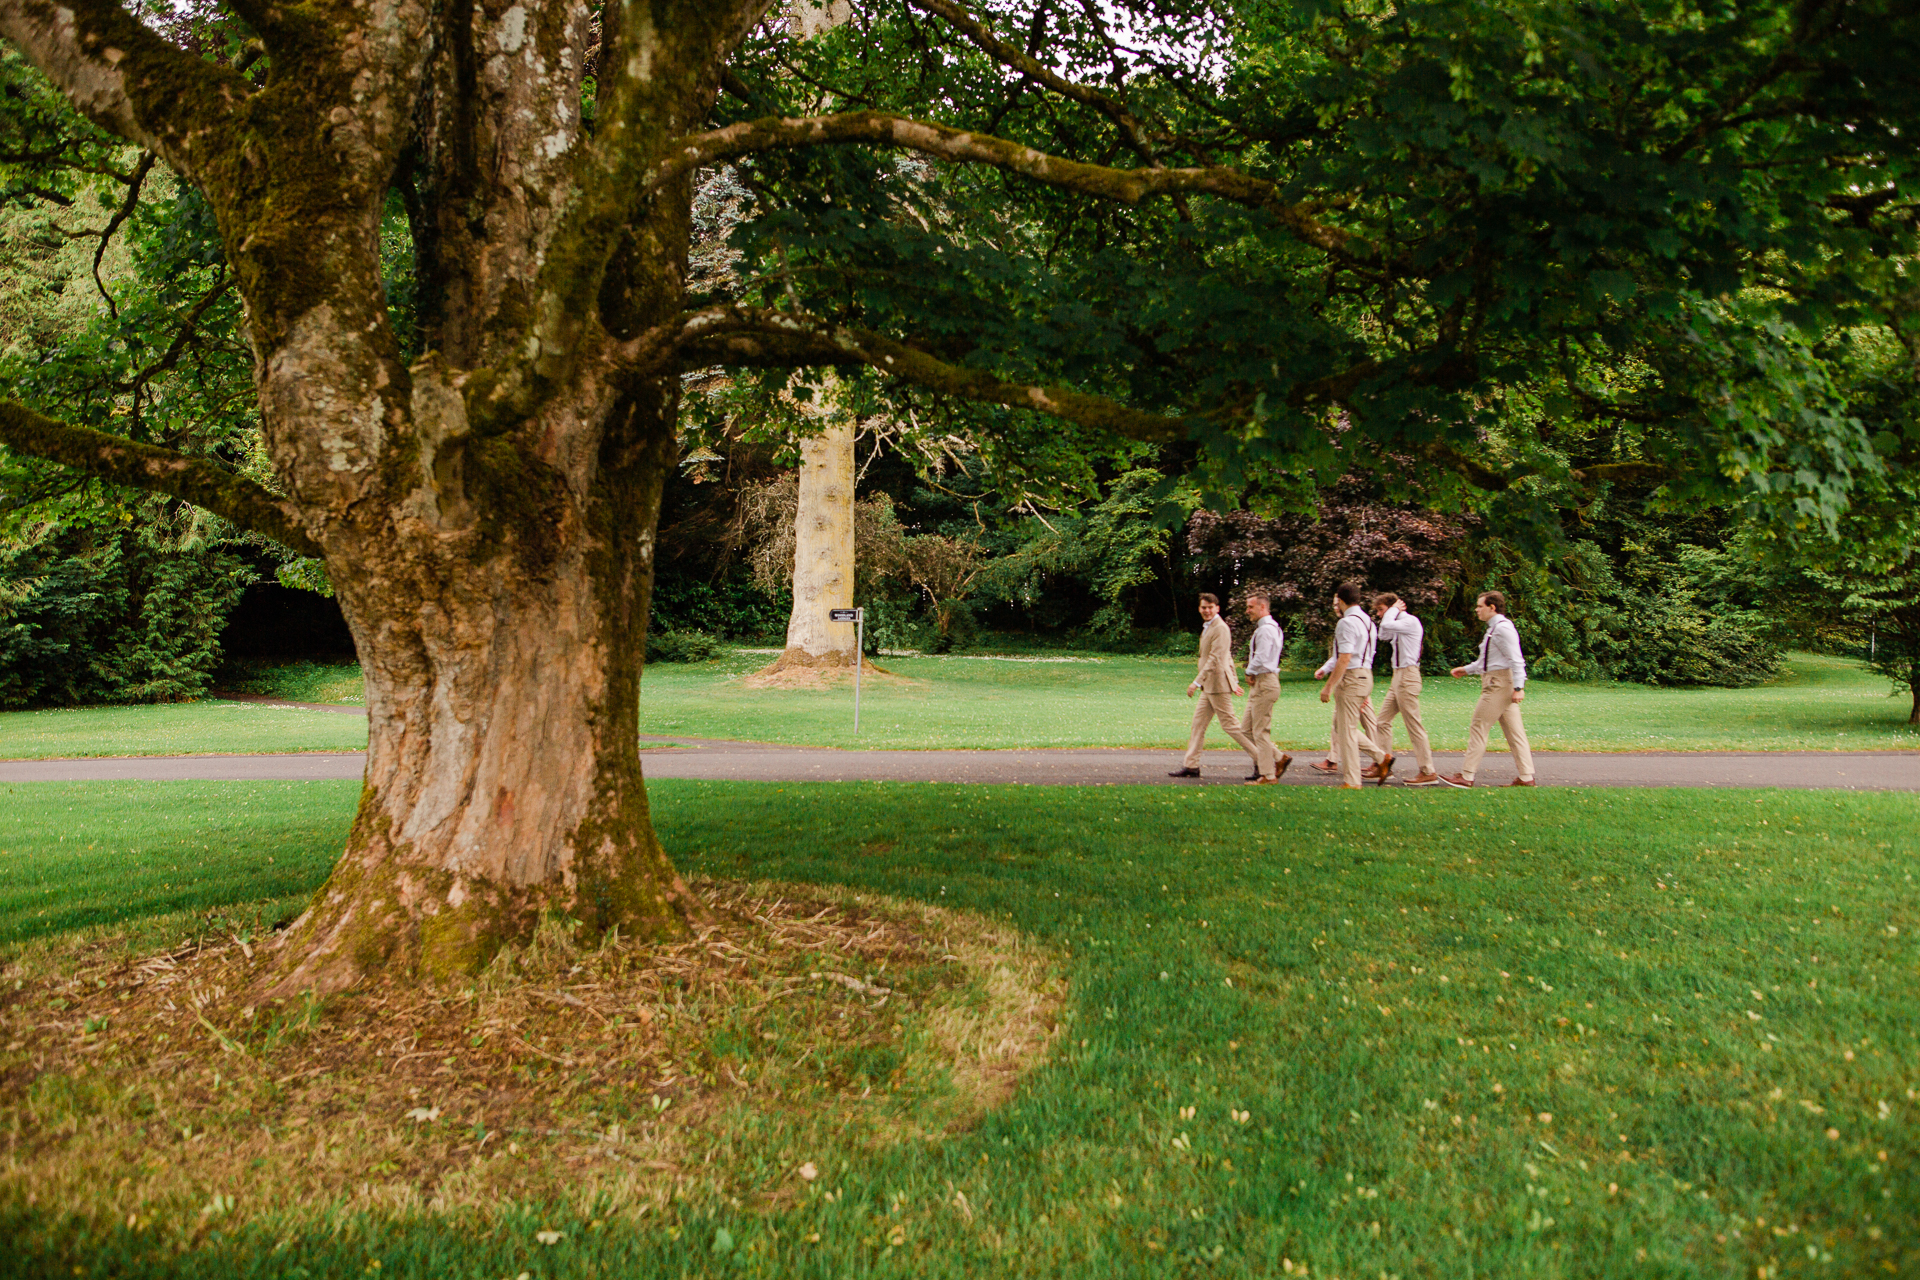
<point>1126,186</point>
<point>749,337</point>
<point>123,76</point>
<point>144,466</point>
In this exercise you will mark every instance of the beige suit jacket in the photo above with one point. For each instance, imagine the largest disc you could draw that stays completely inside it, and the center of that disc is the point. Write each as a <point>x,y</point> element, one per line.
<point>1216,658</point>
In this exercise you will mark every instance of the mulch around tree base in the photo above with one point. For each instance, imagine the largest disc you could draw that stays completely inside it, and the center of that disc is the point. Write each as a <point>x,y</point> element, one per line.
<point>606,1074</point>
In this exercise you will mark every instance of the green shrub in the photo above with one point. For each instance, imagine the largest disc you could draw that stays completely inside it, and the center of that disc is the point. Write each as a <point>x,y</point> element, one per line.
<point>113,614</point>
<point>683,646</point>
<point>1677,618</point>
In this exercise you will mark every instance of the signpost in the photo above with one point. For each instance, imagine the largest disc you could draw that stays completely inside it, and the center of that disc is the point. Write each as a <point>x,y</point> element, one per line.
<point>858,617</point>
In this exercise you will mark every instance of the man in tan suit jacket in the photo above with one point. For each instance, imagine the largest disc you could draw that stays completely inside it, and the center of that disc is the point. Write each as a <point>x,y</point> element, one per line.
<point>1216,686</point>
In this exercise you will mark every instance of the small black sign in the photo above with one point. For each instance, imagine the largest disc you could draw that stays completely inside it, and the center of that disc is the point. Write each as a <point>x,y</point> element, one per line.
<point>842,615</point>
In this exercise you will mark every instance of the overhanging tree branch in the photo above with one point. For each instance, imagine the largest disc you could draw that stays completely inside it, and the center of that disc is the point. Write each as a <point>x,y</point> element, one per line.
<point>1125,186</point>
<point>124,77</point>
<point>746,336</point>
<point>144,466</point>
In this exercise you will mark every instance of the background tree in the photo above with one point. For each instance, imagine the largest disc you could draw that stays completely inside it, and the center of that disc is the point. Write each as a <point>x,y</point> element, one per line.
<point>1314,236</point>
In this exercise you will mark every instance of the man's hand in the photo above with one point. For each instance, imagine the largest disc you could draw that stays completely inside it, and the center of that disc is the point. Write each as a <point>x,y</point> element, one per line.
<point>1519,694</point>
<point>1325,694</point>
<point>1236,692</point>
<point>1458,671</point>
<point>1192,689</point>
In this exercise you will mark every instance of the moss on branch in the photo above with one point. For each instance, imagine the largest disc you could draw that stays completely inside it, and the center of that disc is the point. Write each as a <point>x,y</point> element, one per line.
<point>144,466</point>
<point>1124,186</point>
<point>743,336</point>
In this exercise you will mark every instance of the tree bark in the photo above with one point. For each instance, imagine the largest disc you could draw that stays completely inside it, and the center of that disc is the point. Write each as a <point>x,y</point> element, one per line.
<point>823,551</point>
<point>503,773</point>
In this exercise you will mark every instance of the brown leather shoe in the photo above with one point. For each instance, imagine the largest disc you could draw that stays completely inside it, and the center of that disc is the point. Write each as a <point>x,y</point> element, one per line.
<point>1427,779</point>
<point>1456,780</point>
<point>1258,781</point>
<point>1351,786</point>
<point>1324,766</point>
<point>1281,768</point>
<point>1523,782</point>
<point>1379,771</point>
<point>1183,773</point>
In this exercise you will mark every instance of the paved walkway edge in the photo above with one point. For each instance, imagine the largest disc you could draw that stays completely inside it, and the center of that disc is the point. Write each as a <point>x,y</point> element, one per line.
<point>761,762</point>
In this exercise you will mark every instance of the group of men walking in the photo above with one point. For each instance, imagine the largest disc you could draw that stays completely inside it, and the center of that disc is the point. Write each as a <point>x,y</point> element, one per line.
<point>1358,727</point>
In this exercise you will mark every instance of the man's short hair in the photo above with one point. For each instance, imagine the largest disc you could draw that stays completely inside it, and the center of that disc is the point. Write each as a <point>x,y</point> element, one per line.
<point>1348,593</point>
<point>1261,596</point>
<point>1386,599</point>
<point>1207,597</point>
<point>1494,600</point>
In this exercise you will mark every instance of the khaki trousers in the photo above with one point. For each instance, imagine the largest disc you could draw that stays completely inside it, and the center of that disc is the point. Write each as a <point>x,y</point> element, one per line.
<point>1366,734</point>
<point>1496,703</point>
<point>1403,700</point>
<point>1212,706</point>
<point>1262,692</point>
<point>1352,717</point>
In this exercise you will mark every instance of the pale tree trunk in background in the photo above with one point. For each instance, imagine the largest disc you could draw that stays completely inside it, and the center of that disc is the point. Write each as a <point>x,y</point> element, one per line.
<point>809,21</point>
<point>823,551</point>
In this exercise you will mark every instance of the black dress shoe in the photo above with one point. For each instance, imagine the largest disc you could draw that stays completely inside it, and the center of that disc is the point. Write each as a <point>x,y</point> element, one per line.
<point>1253,777</point>
<point>1184,773</point>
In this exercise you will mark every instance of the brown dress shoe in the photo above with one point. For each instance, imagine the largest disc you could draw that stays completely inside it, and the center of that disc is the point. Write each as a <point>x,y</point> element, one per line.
<point>1456,780</point>
<point>1324,766</point>
<point>1427,779</point>
<point>1351,786</point>
<point>1523,782</point>
<point>1281,768</point>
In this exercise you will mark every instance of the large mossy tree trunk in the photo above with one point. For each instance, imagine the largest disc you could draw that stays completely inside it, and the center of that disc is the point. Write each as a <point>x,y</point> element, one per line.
<point>486,511</point>
<point>503,677</point>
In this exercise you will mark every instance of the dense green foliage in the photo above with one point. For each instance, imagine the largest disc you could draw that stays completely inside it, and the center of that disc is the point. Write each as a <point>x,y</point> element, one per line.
<point>1553,223</point>
<point>114,614</point>
<point>119,314</point>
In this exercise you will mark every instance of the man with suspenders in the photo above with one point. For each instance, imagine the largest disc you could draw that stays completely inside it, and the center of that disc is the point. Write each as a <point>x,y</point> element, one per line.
<point>1503,683</point>
<point>1263,688</point>
<point>1406,634</point>
<point>1350,682</point>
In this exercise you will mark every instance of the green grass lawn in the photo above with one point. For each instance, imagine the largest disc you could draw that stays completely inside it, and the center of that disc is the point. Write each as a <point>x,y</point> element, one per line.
<point>187,728</point>
<point>1819,704</point>
<point>1563,1033</point>
<point>118,854</point>
<point>302,681</point>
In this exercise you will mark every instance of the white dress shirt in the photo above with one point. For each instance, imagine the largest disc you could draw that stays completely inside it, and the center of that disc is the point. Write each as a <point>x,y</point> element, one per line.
<point>1263,653</point>
<point>1406,634</point>
<point>1354,634</point>
<point>1500,651</point>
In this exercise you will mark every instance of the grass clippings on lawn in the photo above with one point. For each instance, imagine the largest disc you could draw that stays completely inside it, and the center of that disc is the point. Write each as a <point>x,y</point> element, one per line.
<point>150,1101</point>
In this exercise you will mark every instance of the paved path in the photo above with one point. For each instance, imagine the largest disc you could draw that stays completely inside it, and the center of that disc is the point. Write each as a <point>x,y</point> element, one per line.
<point>763,762</point>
